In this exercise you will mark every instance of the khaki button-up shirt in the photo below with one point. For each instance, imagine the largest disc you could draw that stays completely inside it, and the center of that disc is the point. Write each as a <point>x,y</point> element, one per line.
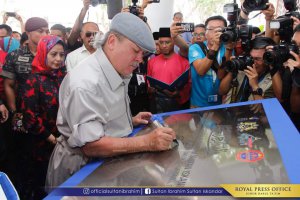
<point>93,102</point>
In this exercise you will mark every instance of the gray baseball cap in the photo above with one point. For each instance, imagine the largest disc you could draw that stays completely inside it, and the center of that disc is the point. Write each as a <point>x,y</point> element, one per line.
<point>134,29</point>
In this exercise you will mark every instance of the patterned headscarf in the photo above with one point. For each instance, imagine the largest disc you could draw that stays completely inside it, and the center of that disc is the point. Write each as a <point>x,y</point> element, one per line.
<point>9,44</point>
<point>46,43</point>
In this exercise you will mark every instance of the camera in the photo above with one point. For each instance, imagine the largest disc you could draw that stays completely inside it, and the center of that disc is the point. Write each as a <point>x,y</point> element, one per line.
<point>245,34</point>
<point>187,27</point>
<point>134,9</point>
<point>251,5</point>
<point>280,54</point>
<point>284,23</point>
<point>230,32</point>
<point>239,63</point>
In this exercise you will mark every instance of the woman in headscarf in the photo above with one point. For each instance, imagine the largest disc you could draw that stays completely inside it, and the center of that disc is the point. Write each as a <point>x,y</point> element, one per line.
<point>39,107</point>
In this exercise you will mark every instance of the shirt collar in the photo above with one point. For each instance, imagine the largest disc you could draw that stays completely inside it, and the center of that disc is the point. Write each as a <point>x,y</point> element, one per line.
<point>83,49</point>
<point>113,77</point>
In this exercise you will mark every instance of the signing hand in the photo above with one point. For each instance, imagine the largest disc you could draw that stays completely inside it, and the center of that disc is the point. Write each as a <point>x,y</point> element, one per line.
<point>160,139</point>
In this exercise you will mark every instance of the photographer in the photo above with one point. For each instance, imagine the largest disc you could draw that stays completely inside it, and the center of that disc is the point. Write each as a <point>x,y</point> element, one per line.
<point>244,82</point>
<point>205,64</point>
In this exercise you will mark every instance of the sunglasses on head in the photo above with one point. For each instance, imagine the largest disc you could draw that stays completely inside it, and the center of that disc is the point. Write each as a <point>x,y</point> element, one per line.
<point>89,34</point>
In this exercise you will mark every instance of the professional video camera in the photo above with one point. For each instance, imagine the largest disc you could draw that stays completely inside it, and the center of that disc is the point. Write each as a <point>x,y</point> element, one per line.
<point>232,33</point>
<point>134,9</point>
<point>244,32</point>
<point>251,5</point>
<point>280,54</point>
<point>239,63</point>
<point>284,23</point>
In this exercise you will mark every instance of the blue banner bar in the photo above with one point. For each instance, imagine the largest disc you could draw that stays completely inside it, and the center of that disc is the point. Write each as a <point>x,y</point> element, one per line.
<point>136,191</point>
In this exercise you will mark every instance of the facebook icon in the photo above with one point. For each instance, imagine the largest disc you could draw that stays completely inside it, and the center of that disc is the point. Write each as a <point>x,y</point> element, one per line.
<point>147,191</point>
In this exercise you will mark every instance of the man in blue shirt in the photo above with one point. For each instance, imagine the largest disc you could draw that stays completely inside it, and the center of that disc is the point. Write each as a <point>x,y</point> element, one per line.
<point>205,70</point>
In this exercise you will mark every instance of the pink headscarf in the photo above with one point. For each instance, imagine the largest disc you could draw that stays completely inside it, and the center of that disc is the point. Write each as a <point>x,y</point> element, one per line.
<point>46,43</point>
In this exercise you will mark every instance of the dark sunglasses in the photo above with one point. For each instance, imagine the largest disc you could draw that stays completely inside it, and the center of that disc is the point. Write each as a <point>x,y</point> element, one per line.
<point>89,34</point>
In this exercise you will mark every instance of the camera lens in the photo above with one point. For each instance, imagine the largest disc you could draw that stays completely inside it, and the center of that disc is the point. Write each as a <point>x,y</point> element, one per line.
<point>270,58</point>
<point>251,4</point>
<point>227,36</point>
<point>239,63</point>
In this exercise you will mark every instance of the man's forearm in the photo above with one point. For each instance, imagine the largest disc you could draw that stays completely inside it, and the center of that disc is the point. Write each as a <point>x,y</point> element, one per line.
<point>109,146</point>
<point>75,33</point>
<point>277,86</point>
<point>202,66</point>
<point>10,95</point>
<point>225,84</point>
<point>11,100</point>
<point>183,46</point>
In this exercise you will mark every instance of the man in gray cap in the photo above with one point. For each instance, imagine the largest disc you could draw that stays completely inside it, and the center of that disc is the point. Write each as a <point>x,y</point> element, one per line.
<point>94,117</point>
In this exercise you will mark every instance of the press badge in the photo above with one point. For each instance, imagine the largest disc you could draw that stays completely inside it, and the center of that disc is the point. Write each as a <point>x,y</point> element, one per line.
<point>212,98</point>
<point>140,79</point>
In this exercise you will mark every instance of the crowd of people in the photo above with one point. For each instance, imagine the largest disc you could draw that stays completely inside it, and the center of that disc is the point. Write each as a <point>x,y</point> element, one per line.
<point>67,98</point>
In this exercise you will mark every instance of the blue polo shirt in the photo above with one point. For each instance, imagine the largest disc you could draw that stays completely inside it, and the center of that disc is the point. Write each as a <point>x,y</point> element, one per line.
<point>205,86</point>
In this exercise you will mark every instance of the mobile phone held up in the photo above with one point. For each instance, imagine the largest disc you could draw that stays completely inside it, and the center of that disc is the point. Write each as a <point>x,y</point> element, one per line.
<point>155,1</point>
<point>11,14</point>
<point>187,27</point>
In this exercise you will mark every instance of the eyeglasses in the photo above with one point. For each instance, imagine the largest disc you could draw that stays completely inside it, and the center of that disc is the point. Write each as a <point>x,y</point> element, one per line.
<point>89,34</point>
<point>198,34</point>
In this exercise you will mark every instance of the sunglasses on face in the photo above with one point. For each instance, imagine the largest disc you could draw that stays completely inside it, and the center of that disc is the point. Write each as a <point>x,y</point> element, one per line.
<point>89,34</point>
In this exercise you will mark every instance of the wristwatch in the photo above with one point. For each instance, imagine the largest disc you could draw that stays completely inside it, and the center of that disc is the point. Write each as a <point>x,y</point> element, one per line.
<point>258,91</point>
<point>211,54</point>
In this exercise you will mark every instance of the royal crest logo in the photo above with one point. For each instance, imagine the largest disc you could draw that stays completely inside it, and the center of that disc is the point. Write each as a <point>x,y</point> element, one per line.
<point>250,156</point>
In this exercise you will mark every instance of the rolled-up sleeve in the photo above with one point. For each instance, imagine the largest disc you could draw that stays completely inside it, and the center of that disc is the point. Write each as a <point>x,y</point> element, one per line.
<point>86,113</point>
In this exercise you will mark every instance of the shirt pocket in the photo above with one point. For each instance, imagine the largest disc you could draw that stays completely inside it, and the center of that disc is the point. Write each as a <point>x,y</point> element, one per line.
<point>116,110</point>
